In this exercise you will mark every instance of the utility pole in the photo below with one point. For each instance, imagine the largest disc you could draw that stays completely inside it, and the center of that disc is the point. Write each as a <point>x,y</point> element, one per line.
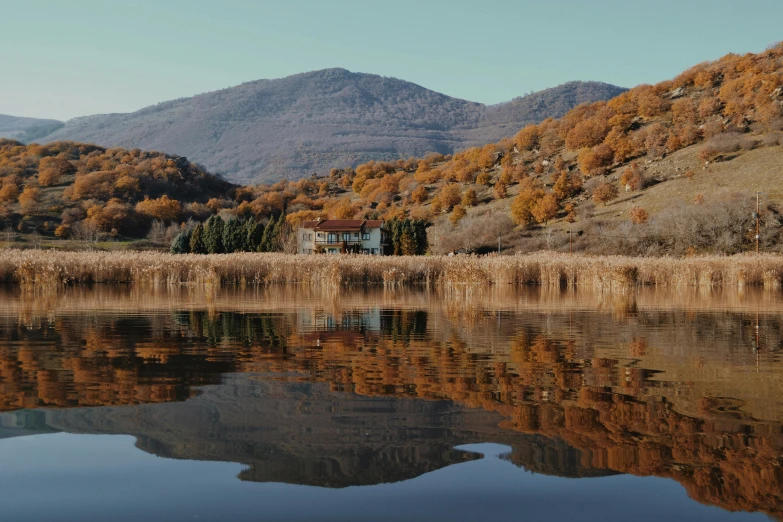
<point>758,219</point>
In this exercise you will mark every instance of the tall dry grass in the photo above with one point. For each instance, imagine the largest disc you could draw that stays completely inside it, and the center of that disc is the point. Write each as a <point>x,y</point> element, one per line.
<point>50,268</point>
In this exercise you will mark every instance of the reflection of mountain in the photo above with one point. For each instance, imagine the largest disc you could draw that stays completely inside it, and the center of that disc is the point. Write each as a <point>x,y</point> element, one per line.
<point>667,393</point>
<point>303,434</point>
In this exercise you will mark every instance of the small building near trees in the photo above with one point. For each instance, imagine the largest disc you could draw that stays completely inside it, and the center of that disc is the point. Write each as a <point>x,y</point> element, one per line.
<point>342,236</point>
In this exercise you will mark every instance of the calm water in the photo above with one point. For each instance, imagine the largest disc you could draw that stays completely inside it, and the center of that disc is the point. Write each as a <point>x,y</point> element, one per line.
<point>288,404</point>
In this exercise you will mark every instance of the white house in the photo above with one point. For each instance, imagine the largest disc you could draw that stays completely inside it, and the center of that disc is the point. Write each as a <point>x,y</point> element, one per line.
<point>335,236</point>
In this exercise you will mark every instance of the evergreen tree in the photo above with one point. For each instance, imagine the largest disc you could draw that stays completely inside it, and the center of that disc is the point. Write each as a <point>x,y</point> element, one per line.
<point>254,232</point>
<point>181,243</point>
<point>277,235</point>
<point>420,236</point>
<point>233,236</point>
<point>197,240</point>
<point>267,240</point>
<point>213,235</point>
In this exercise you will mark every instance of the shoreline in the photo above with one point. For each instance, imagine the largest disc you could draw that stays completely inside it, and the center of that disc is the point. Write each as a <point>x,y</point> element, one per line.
<point>48,268</point>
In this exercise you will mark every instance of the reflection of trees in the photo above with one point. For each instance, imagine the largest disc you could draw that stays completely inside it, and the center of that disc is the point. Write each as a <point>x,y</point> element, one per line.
<point>579,378</point>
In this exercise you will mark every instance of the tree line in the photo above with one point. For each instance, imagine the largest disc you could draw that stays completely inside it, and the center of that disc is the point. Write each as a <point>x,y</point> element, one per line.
<point>218,236</point>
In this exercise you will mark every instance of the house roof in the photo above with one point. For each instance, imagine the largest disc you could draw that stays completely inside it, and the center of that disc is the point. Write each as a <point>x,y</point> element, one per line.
<point>342,224</point>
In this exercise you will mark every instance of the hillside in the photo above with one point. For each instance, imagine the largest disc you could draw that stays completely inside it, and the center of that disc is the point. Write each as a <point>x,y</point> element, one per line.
<point>66,189</point>
<point>671,168</point>
<point>292,127</point>
<point>667,168</point>
<point>26,129</point>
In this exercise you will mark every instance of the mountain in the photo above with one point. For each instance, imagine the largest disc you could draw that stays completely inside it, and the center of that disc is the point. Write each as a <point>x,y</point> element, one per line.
<point>291,127</point>
<point>26,129</point>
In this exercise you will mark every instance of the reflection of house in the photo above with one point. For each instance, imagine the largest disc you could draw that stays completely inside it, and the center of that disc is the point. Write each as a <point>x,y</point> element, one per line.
<point>353,321</point>
<point>335,236</point>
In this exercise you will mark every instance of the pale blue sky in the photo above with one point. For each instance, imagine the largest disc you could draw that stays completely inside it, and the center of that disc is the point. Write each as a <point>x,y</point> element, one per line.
<point>66,58</point>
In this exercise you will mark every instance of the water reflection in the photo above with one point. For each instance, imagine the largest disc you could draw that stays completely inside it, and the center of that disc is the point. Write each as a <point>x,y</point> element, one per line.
<point>373,387</point>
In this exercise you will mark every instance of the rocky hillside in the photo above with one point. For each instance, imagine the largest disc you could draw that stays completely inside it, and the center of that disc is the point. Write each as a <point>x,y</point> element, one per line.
<point>26,129</point>
<point>295,126</point>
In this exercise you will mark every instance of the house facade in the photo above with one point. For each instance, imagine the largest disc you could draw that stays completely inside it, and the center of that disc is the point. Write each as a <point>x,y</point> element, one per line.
<point>342,236</point>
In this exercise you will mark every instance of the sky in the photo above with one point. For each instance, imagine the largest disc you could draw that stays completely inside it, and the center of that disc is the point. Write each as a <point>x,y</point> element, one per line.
<point>68,58</point>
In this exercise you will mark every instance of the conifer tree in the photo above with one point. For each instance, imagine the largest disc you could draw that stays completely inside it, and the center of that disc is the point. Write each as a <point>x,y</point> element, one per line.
<point>277,235</point>
<point>181,243</point>
<point>233,236</point>
<point>254,232</point>
<point>213,235</point>
<point>267,240</point>
<point>197,240</point>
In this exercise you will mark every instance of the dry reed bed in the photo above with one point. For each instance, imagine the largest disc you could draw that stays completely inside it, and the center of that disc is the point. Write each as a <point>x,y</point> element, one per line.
<point>51,268</point>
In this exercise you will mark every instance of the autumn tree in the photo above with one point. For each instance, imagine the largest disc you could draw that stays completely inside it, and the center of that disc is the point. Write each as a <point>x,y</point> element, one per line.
<point>29,199</point>
<point>527,138</point>
<point>469,198</point>
<point>449,195</point>
<point>605,192</point>
<point>9,192</point>
<point>344,209</point>
<point>568,184</point>
<point>419,194</point>
<point>457,213</point>
<point>545,209</point>
<point>163,208</point>
<point>484,178</point>
<point>522,206</point>
<point>115,216</point>
<point>639,215</point>
<point>597,160</point>
<point>632,177</point>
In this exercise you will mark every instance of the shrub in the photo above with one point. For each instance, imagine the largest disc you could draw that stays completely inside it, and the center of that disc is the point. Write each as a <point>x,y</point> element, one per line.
<point>484,178</point>
<point>62,231</point>
<point>567,185</point>
<point>605,192</point>
<point>458,213</point>
<point>639,215</point>
<point>469,198</point>
<point>632,178</point>
<point>419,194</point>
<point>501,190</point>
<point>9,193</point>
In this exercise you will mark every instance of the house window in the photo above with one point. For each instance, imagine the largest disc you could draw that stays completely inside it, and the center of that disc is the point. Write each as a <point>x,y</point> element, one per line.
<point>331,238</point>
<point>375,251</point>
<point>356,235</point>
<point>365,236</point>
<point>346,236</point>
<point>333,250</point>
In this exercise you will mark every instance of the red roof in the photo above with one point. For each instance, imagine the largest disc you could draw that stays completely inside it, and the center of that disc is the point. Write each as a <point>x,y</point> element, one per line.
<point>342,224</point>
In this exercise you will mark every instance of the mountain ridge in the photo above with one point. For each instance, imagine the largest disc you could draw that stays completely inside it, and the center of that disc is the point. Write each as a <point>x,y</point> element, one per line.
<point>309,122</point>
<point>26,129</point>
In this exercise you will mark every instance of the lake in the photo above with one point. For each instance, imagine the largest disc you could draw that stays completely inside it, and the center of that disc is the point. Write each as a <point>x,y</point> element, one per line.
<point>288,403</point>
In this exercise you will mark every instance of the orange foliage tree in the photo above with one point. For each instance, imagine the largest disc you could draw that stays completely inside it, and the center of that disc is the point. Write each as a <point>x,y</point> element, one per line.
<point>163,208</point>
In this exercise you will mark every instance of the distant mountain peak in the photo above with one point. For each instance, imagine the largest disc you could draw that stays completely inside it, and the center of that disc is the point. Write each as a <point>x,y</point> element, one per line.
<point>313,121</point>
